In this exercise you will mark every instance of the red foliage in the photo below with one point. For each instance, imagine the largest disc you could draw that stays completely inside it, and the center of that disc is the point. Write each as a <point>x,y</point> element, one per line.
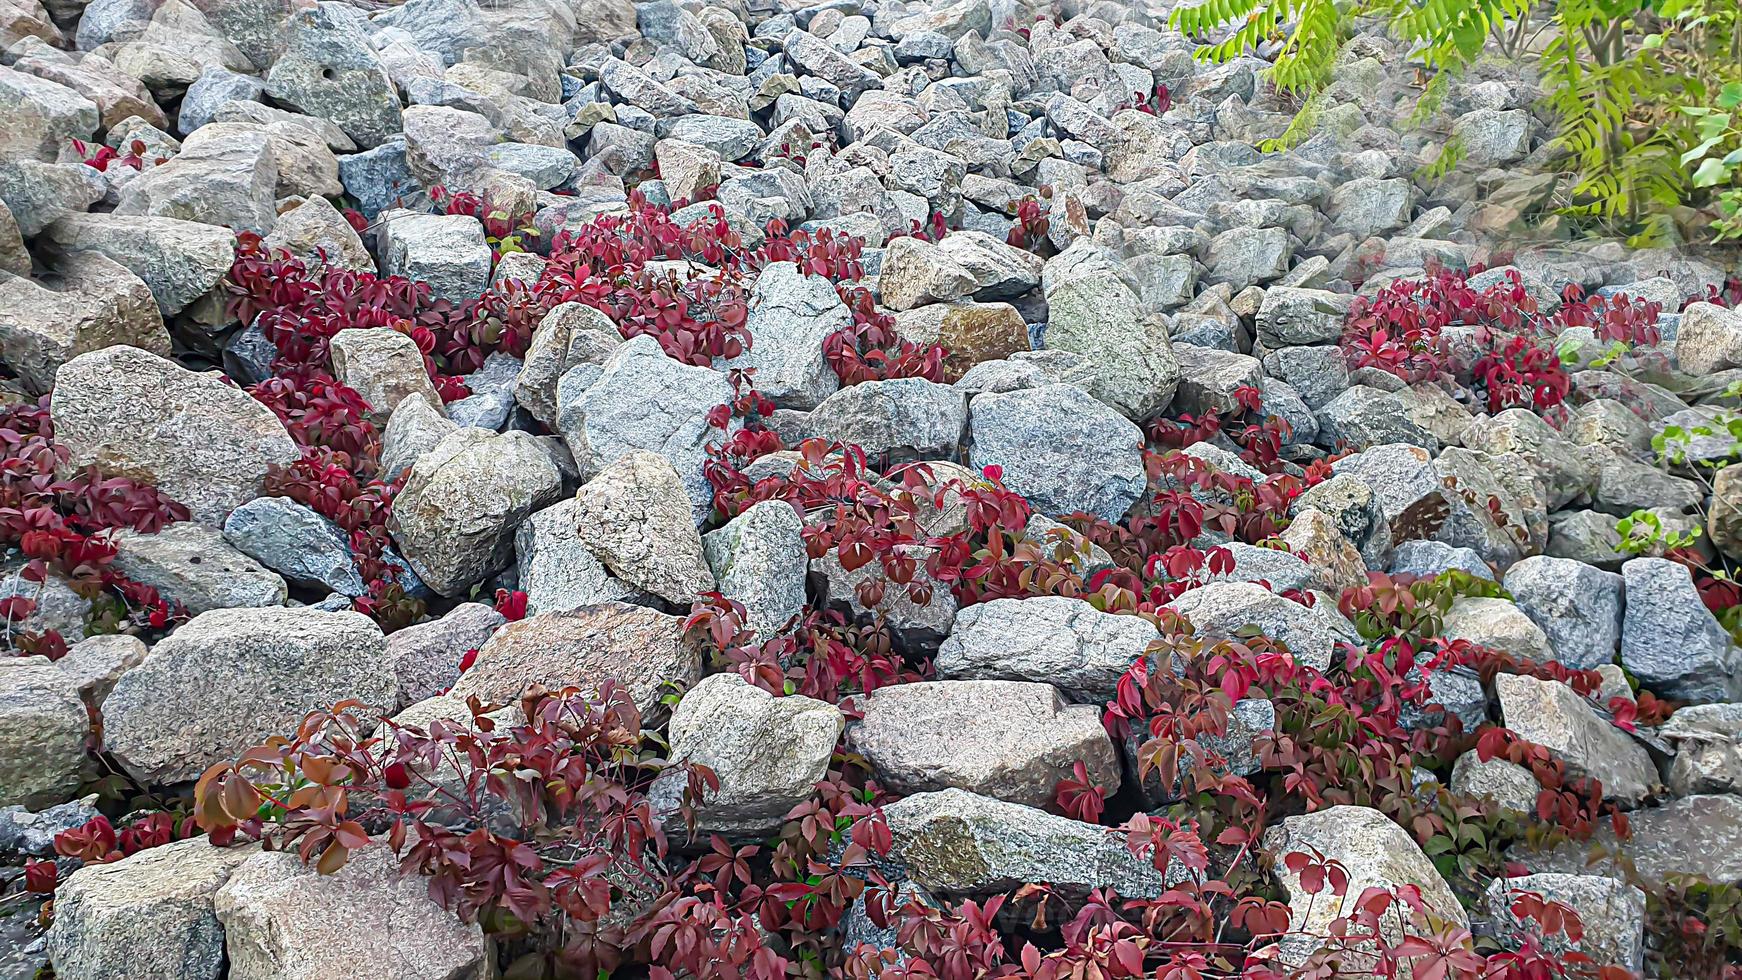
<point>100,157</point>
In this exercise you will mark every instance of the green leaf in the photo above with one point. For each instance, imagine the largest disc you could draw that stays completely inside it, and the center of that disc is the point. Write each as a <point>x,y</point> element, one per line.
<point>1730,96</point>
<point>1711,172</point>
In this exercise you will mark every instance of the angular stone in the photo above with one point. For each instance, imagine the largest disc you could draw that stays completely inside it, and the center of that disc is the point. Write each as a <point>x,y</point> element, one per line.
<point>570,334</point>
<point>195,566</point>
<point>759,560</point>
<point>179,260</point>
<point>1363,417</point>
<point>957,843</point>
<point>85,302</point>
<point>1062,449</point>
<point>453,520</point>
<point>329,70</point>
<point>1695,835</point>
<point>1611,912</point>
<point>385,367</point>
<point>1000,271</point>
<point>1558,466</point>
<point>426,656</point>
<point>791,315</point>
<point>908,418</point>
<point>1209,379</point>
<point>448,251</point>
<point>41,116</point>
<point>294,541</point>
<point>1508,784</point>
<point>1333,562</point>
<point>226,174</point>
<point>1550,714</point>
<point>635,517</point>
<point>970,333</point>
<point>318,233</point>
<point>232,677</point>
<point>1498,624</point>
<point>1050,639</point>
<point>1092,313</point>
<point>146,917</point>
<point>43,728</point>
<point>1006,739</point>
<point>95,663</point>
<point>1708,339</point>
<point>1670,641</point>
<point>1578,607</point>
<point>202,442</point>
<point>1217,611</point>
<point>768,752</point>
<point>1707,739</point>
<point>283,920</point>
<point>916,272</point>
<point>641,649</point>
<point>414,428</point>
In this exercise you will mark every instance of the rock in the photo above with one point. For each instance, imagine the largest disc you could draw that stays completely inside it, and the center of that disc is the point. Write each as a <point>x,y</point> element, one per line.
<point>570,334</point>
<point>85,302</point>
<point>768,752</point>
<point>1424,558</point>
<point>1374,852</point>
<point>317,233</point>
<point>635,517</point>
<point>1612,913</point>
<point>232,677</point>
<point>1007,739</point>
<point>195,566</point>
<point>759,560</point>
<point>1491,137</point>
<point>958,843</point>
<point>148,916</point>
<point>330,71</point>
<point>379,179</point>
<point>225,174</point>
<point>38,194</point>
<point>215,86</point>
<point>1511,786</point>
<point>1243,257</point>
<point>180,261</point>
<point>1707,739</point>
<point>1558,466</point>
<point>1000,270</point>
<point>43,727</point>
<point>641,649</point>
<point>57,606</point>
<point>1364,417</point>
<point>1695,835</point>
<point>41,116</point>
<point>385,367</point>
<point>556,567</point>
<point>1289,317</point>
<point>95,663</point>
<point>1368,206</point>
<point>1062,449</point>
<point>24,833</point>
<point>1209,379</point>
<point>1577,606</point>
<point>284,920</point>
<point>791,315</point>
<point>294,541</point>
<point>1708,339</point>
<point>426,657</point>
<point>1333,562</point>
<point>914,623</point>
<point>1670,641</point>
<point>907,418</point>
<point>970,333</point>
<point>448,251</point>
<point>1049,639</point>
<point>1550,714</point>
<point>916,272</point>
<point>1217,611</point>
<point>642,399</point>
<point>454,518</point>
<point>201,441</point>
<point>1092,313</point>
<point>1499,625</point>
<point>414,428</point>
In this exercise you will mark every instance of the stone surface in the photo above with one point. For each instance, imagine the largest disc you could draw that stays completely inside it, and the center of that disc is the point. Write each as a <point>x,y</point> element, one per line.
<point>232,677</point>
<point>791,314</point>
<point>43,727</point>
<point>1060,448</point>
<point>179,261</point>
<point>1695,835</point>
<point>197,567</point>
<point>1007,739</point>
<point>639,648</point>
<point>202,442</point>
<point>1220,609</point>
<point>1497,624</point>
<point>83,302</point>
<point>1577,606</point>
<point>556,567</point>
<point>308,550</point>
<point>426,656</point>
<point>1048,639</point>
<point>1550,714</point>
<point>1092,313</point>
<point>1707,739</point>
<point>1670,641</point>
<point>635,518</point>
<point>448,251</point>
<point>758,559</point>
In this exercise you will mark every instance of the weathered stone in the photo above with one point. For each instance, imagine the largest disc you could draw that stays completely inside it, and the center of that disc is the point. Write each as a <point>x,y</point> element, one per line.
<point>1062,449</point>
<point>225,174</point>
<point>41,116</point>
<point>1508,784</point>
<point>195,566</point>
<point>1707,739</point>
<point>1708,339</point>
<point>759,560</point>
<point>1333,562</point>
<point>294,541</point>
<point>1364,417</point>
<point>916,272</point>
<point>954,842</point>
<point>145,917</point>
<point>454,518</point>
<point>284,920</point>
<point>414,428</point>
<point>318,233</point>
<point>1092,313</point>
<point>384,366</point>
<point>1670,641</point>
<point>1217,611</point>
<point>330,70</point>
<point>85,302</point>
<point>95,663</point>
<point>908,418</point>
<point>641,649</point>
<point>1007,739</point>
<point>970,333</point>
<point>1578,607</point>
<point>1695,835</point>
<point>791,314</point>
<point>1498,624</point>
<point>1049,639</point>
<point>426,656</point>
<point>1558,467</point>
<point>202,442</point>
<point>232,677</point>
<point>43,727</point>
<point>448,251</point>
<point>180,261</point>
<point>1611,912</point>
<point>570,334</point>
<point>1550,714</point>
<point>635,517</point>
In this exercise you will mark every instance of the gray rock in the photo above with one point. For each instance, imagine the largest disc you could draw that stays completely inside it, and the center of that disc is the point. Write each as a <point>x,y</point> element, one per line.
<point>226,174</point>
<point>791,314</point>
<point>41,116</point>
<point>201,441</point>
<point>414,428</point>
<point>453,520</point>
<point>148,916</point>
<point>232,677</point>
<point>1550,714</point>
<point>768,752</point>
<point>1362,417</point>
<point>383,366</point>
<point>379,179</point>
<point>1577,605</point>
<point>1499,625</point>
<point>1062,449</point>
<point>1707,739</point>
<point>1051,639</point>
<point>24,833</point>
<point>1093,314</point>
<point>1006,739</point>
<point>179,260</point>
<point>1244,257</point>
<point>957,843</point>
<point>1491,136</point>
<point>426,656</point>
<point>84,302</point>
<point>1425,558</point>
<point>1282,570</point>
<point>329,70</point>
<point>1562,473</point>
<point>641,649</point>
<point>759,559</point>
<point>1218,610</point>
<point>1670,641</point>
<point>915,272</point>
<point>917,624</point>
<point>556,567</point>
<point>282,918</point>
<point>635,517</point>
<point>1290,317</point>
<point>215,86</point>
<point>1612,913</point>
<point>1511,786</point>
<point>570,334</point>
<point>908,418</point>
<point>1695,835</point>
<point>492,397</point>
<point>195,566</point>
<point>38,194</point>
<point>95,663</point>
<point>448,251</point>
<point>297,543</point>
<point>43,727</point>
<point>317,233</point>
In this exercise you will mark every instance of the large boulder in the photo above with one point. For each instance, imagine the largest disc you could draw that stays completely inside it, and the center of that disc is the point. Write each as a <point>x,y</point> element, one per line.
<point>759,559</point>
<point>1093,313</point>
<point>791,314</point>
<point>1062,449</point>
<point>1670,641</point>
<point>1008,739</point>
<point>194,565</point>
<point>1611,912</point>
<point>85,302</point>
<point>40,116</point>
<point>642,649</point>
<point>1050,639</point>
<point>283,920</point>
<point>455,518</point>
<point>1552,715</point>
<point>179,261</point>
<point>556,567</point>
<point>768,752</point>
<point>1578,607</point>
<point>1219,610</point>
<point>145,917</point>
<point>226,174</point>
<point>329,70</point>
<point>43,727</point>
<point>201,441</point>
<point>448,251</point>
<point>636,518</point>
<point>231,678</point>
